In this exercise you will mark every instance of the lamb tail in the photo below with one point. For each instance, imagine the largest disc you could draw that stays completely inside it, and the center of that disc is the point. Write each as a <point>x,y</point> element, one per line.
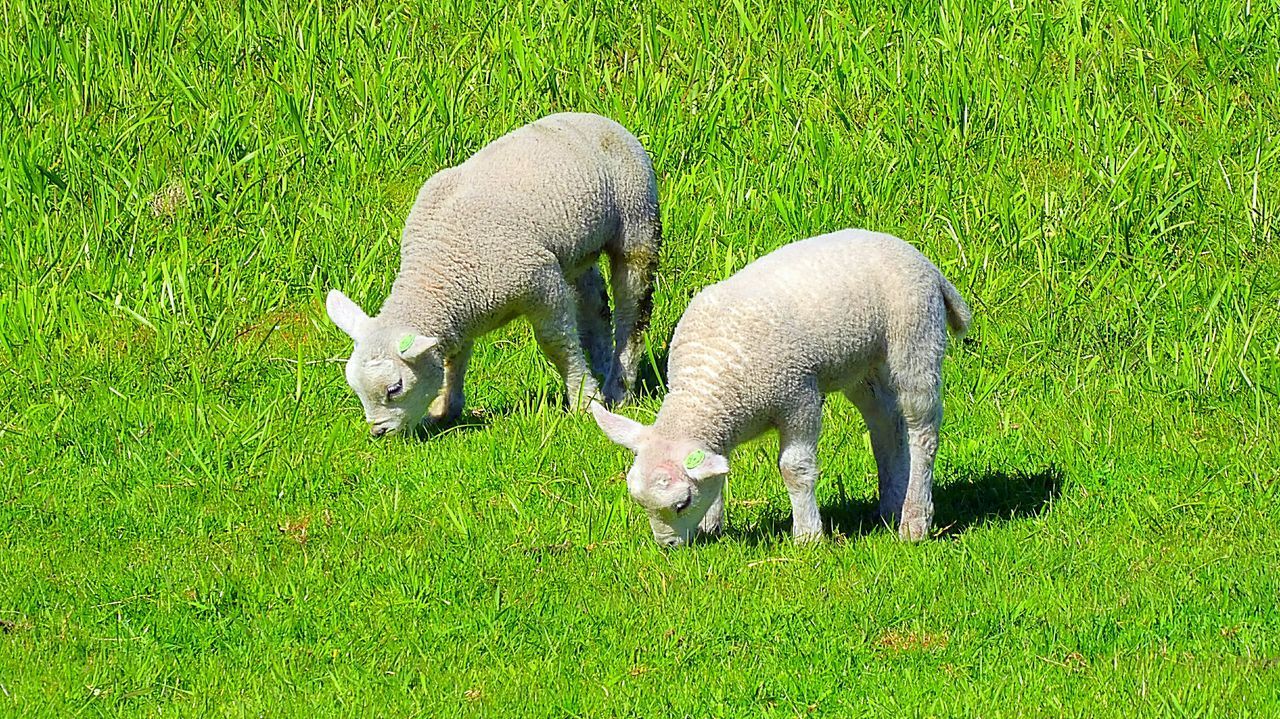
<point>958,316</point>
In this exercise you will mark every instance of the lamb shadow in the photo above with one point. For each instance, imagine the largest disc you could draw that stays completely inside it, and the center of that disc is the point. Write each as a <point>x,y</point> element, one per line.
<point>846,516</point>
<point>972,500</point>
<point>994,496</point>
<point>651,381</point>
<point>470,421</point>
<point>477,417</point>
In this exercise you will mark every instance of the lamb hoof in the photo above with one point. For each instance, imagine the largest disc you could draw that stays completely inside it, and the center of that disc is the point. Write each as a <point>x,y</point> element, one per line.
<point>913,529</point>
<point>442,413</point>
<point>582,399</point>
<point>711,529</point>
<point>809,537</point>
<point>615,395</point>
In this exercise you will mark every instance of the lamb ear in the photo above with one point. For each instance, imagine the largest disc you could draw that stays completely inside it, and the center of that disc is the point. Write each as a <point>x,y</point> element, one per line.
<point>700,465</point>
<point>622,430</point>
<point>412,347</point>
<point>347,315</point>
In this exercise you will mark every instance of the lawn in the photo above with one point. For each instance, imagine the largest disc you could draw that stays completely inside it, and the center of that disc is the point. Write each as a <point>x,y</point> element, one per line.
<point>194,521</point>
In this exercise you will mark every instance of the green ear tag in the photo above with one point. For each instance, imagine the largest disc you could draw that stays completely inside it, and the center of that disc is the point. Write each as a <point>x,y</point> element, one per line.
<point>405,343</point>
<point>694,459</point>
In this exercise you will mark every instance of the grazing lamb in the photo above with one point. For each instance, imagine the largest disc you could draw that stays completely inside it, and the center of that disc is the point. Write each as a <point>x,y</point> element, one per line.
<point>515,230</point>
<point>853,311</point>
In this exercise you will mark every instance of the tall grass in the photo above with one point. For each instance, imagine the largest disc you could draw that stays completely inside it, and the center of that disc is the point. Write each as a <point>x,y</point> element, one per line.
<point>191,517</point>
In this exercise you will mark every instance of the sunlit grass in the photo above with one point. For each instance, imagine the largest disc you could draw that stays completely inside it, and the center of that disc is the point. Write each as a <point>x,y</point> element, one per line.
<point>193,521</point>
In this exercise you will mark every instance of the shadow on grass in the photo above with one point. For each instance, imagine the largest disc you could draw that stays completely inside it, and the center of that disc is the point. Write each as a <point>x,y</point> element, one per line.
<point>474,418</point>
<point>651,381</point>
<point>994,496</point>
<point>973,499</point>
<point>470,421</point>
<point>477,418</point>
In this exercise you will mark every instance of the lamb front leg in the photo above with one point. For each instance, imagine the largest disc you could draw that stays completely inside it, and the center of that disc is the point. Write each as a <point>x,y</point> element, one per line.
<point>798,460</point>
<point>713,521</point>
<point>448,406</point>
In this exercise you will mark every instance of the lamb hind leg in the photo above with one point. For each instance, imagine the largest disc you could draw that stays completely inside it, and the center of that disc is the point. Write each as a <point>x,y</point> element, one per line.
<point>556,330</point>
<point>922,409</point>
<point>914,367</point>
<point>594,323</point>
<point>632,268</point>
<point>879,407</point>
<point>917,386</point>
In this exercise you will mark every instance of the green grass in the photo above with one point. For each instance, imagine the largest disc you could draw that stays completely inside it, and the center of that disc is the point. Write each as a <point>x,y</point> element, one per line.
<point>193,520</point>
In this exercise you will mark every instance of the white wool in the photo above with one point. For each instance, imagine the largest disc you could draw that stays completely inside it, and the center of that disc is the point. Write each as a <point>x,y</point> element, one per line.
<point>516,230</point>
<point>854,311</point>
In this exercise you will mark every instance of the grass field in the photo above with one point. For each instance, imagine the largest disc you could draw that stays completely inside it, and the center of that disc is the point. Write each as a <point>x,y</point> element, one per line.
<point>193,520</point>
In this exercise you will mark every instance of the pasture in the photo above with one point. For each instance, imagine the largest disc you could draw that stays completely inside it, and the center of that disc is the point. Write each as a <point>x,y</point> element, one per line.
<point>194,521</point>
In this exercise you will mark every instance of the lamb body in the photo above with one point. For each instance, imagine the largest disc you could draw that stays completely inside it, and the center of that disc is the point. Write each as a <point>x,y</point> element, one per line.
<point>516,230</point>
<point>853,311</point>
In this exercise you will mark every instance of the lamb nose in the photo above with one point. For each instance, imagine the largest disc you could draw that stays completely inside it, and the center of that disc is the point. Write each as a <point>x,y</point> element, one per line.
<point>377,432</point>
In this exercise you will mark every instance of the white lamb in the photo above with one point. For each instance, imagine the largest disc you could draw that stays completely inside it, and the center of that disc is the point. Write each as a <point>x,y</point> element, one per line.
<point>516,230</point>
<point>853,311</point>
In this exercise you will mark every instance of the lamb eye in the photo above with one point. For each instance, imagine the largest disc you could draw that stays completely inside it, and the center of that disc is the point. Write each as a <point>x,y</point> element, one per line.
<point>394,390</point>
